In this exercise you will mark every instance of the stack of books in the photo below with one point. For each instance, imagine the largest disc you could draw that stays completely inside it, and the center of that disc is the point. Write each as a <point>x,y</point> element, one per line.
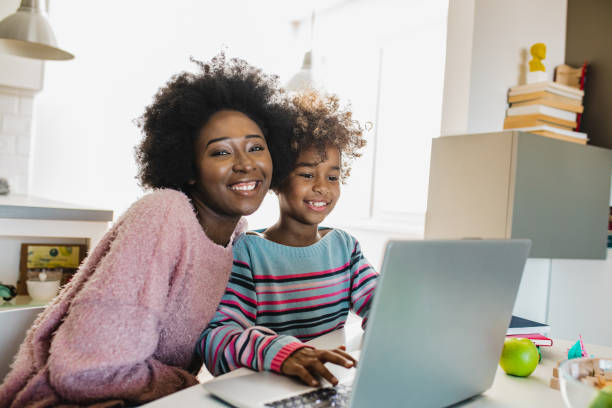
<point>547,109</point>
<point>529,329</point>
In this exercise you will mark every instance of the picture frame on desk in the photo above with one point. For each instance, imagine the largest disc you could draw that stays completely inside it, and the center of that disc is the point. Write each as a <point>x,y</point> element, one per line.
<point>57,260</point>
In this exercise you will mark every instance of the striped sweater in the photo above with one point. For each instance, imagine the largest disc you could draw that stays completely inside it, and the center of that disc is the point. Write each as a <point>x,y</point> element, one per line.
<point>279,296</point>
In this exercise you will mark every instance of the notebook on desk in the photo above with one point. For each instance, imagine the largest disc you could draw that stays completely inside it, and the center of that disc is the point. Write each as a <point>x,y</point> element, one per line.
<point>536,338</point>
<point>520,325</point>
<point>429,341</point>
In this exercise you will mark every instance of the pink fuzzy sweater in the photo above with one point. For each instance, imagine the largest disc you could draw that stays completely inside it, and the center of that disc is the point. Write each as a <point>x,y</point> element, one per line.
<point>123,331</point>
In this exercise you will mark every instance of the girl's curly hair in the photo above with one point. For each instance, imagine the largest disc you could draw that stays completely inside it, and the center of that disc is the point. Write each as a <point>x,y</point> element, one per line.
<point>172,122</point>
<point>321,122</point>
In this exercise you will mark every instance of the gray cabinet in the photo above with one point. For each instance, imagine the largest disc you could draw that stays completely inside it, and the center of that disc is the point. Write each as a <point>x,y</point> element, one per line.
<point>520,185</point>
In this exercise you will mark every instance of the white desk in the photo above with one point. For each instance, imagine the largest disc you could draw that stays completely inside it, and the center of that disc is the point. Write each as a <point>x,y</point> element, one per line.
<point>506,392</point>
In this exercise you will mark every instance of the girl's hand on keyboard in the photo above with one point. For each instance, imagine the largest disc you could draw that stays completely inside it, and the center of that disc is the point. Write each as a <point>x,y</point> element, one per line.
<point>308,362</point>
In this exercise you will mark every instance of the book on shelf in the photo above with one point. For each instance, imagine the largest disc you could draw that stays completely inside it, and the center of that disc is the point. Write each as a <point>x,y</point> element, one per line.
<point>552,87</point>
<point>574,77</point>
<point>571,76</point>
<point>519,121</point>
<point>536,338</point>
<point>519,325</point>
<point>556,133</point>
<point>542,110</point>
<point>543,95</point>
<point>565,132</point>
<point>552,103</point>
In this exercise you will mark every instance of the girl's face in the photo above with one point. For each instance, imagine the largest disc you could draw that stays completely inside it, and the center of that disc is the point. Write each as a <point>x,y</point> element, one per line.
<point>312,189</point>
<point>234,167</point>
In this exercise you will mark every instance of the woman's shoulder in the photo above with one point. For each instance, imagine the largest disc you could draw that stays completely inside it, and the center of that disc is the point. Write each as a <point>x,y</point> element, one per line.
<point>160,205</point>
<point>163,199</point>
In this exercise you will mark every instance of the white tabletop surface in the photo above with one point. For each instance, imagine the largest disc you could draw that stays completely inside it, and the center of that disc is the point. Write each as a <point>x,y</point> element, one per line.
<point>506,392</point>
<point>20,302</point>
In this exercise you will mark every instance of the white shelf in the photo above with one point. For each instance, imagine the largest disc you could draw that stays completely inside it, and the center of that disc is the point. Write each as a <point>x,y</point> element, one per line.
<point>16,206</point>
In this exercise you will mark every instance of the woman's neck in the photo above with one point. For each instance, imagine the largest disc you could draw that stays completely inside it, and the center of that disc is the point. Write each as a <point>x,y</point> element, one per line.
<point>290,232</point>
<point>217,227</point>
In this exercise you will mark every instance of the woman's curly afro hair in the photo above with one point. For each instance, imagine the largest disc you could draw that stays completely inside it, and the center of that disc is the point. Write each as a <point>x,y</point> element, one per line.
<point>320,122</point>
<point>172,122</point>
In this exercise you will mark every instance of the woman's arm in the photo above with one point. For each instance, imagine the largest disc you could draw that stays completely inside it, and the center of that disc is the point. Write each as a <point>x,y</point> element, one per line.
<point>105,346</point>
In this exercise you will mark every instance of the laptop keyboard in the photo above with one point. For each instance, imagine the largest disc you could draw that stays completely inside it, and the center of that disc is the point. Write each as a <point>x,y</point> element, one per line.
<point>323,397</point>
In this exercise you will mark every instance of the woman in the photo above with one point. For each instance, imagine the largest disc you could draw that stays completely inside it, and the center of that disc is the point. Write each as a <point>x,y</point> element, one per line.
<point>122,331</point>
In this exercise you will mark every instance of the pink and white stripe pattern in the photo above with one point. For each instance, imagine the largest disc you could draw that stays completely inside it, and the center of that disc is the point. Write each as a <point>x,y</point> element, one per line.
<point>279,296</point>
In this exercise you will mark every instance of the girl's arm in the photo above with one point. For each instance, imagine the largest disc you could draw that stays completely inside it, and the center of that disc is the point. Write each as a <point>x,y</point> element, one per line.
<point>232,339</point>
<point>363,284</point>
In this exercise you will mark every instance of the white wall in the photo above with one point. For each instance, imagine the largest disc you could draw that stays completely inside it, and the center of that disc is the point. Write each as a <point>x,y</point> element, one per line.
<point>494,50</point>
<point>84,135</point>
<point>15,137</point>
<point>386,58</point>
<point>579,300</point>
<point>457,70</point>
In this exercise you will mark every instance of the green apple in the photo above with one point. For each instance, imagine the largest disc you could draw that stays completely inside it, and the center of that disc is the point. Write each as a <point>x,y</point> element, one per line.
<point>603,398</point>
<point>519,357</point>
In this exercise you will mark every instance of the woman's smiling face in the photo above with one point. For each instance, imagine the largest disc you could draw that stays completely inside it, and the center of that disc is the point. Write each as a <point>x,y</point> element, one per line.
<point>233,164</point>
<point>312,189</point>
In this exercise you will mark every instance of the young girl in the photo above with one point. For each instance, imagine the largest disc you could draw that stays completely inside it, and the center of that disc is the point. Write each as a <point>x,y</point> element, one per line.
<point>295,280</point>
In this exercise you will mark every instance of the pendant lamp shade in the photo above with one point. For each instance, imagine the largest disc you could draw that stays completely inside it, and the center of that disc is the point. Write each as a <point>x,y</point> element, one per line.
<point>27,33</point>
<point>302,80</point>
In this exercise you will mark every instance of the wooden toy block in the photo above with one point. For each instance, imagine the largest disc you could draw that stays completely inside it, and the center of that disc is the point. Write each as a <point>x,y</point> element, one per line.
<point>591,374</point>
<point>592,381</point>
<point>601,381</point>
<point>585,372</point>
<point>554,384</point>
<point>588,367</point>
<point>596,369</point>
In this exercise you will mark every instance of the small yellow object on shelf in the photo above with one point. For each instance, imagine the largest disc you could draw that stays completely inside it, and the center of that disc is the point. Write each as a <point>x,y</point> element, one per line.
<point>537,70</point>
<point>538,53</point>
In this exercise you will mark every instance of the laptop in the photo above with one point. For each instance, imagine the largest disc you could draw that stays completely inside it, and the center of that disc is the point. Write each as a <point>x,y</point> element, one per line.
<point>434,337</point>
